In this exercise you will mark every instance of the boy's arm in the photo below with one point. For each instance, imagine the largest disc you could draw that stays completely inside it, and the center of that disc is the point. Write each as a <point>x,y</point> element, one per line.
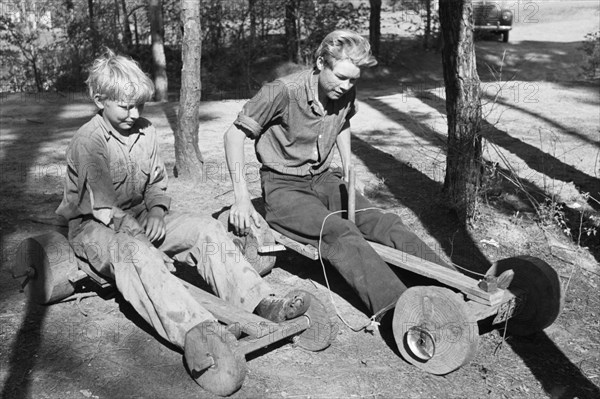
<point>155,197</point>
<point>155,194</point>
<point>267,105</point>
<point>242,212</point>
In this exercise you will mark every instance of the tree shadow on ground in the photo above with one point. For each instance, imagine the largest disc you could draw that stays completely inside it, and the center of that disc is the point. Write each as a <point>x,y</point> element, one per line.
<point>541,162</point>
<point>559,377</point>
<point>534,157</point>
<point>24,137</point>
<point>25,348</point>
<point>420,193</point>
<point>404,65</point>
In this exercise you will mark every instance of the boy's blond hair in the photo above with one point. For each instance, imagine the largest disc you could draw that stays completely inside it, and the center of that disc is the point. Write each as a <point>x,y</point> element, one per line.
<point>118,78</point>
<point>346,45</point>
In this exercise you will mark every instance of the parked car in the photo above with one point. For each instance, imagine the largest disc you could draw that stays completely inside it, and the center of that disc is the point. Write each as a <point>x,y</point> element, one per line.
<point>492,16</point>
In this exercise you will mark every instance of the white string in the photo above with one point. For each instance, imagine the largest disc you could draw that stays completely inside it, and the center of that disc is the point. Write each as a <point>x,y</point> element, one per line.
<point>373,323</point>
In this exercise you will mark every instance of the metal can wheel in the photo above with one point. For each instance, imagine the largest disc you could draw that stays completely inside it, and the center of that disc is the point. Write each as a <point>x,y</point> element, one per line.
<point>46,262</point>
<point>251,245</point>
<point>321,331</point>
<point>434,330</point>
<point>539,296</point>
<point>212,358</point>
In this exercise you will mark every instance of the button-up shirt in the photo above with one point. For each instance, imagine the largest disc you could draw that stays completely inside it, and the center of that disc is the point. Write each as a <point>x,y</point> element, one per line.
<point>293,134</point>
<point>109,170</point>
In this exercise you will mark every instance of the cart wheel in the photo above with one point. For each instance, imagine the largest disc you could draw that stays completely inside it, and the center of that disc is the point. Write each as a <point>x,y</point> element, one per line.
<point>212,359</point>
<point>433,329</point>
<point>321,331</point>
<point>249,244</point>
<point>539,297</point>
<point>46,262</point>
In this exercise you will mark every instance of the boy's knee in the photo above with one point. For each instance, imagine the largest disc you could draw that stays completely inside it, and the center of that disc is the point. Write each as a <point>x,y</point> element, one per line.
<point>339,229</point>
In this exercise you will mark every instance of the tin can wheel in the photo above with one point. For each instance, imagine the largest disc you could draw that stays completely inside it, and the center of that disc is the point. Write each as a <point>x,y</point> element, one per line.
<point>433,329</point>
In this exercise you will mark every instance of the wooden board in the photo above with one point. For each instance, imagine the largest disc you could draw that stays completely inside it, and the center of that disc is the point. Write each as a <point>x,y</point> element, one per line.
<point>307,250</point>
<point>249,323</point>
<point>449,277</point>
<point>446,276</point>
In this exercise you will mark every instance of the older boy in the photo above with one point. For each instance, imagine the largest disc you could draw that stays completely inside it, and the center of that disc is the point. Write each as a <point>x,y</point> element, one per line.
<point>296,121</point>
<point>119,220</point>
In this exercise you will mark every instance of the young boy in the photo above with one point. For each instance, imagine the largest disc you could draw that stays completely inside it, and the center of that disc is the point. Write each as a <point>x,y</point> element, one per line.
<point>296,121</point>
<point>119,220</point>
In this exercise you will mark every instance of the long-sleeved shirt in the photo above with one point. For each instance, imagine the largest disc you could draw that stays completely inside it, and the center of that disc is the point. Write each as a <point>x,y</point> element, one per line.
<point>106,170</point>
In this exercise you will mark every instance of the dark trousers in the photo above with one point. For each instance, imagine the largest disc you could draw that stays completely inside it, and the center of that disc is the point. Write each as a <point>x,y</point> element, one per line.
<point>296,206</point>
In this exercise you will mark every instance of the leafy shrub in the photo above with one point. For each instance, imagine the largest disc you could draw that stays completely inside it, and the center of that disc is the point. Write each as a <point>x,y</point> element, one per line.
<point>591,48</point>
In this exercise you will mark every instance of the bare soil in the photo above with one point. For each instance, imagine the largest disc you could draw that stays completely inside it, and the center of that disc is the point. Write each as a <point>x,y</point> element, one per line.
<point>544,127</point>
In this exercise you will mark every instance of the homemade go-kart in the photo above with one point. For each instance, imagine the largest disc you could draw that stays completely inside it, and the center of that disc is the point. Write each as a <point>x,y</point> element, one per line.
<point>214,352</point>
<point>434,326</point>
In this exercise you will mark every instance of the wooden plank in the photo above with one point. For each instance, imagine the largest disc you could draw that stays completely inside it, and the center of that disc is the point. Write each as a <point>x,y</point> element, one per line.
<point>286,329</point>
<point>307,250</point>
<point>442,274</point>
<point>446,276</point>
<point>249,323</point>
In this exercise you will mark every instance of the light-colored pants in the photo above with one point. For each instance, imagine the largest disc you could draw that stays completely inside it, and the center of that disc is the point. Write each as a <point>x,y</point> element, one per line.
<point>145,282</point>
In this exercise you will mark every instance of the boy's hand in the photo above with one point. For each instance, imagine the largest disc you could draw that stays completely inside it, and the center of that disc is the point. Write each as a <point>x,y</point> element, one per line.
<point>241,216</point>
<point>154,224</point>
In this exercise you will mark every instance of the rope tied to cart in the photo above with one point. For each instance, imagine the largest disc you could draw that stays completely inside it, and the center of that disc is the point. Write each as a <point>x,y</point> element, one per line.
<point>373,320</point>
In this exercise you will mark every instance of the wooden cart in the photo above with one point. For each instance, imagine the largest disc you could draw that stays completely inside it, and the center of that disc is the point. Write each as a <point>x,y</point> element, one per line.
<point>214,352</point>
<point>436,327</point>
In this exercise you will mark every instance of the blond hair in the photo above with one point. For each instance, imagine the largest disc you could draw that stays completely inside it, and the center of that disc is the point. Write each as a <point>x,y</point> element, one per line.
<point>118,78</point>
<point>346,45</point>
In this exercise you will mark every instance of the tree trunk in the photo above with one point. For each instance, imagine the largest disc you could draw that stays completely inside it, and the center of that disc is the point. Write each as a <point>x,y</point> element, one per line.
<point>291,31</point>
<point>188,158</point>
<point>463,106</point>
<point>135,28</point>
<point>427,35</point>
<point>252,12</point>
<point>127,37</point>
<point>375,26</point>
<point>92,25</point>
<point>158,50</point>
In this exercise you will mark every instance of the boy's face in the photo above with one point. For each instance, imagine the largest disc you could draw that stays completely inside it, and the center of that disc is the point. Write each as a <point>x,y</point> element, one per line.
<point>336,80</point>
<point>120,114</point>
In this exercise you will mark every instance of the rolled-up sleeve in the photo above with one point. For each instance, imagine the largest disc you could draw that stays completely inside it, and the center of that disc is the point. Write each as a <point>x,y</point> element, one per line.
<point>156,191</point>
<point>266,106</point>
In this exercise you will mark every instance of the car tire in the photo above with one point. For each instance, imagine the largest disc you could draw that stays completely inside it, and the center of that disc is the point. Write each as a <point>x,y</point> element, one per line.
<point>505,37</point>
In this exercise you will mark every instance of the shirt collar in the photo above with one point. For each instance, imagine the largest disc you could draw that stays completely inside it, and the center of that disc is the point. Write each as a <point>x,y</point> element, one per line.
<point>312,90</point>
<point>109,131</point>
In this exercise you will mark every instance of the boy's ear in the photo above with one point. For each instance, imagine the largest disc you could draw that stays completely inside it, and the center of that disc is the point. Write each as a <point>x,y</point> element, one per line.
<point>320,63</point>
<point>99,101</point>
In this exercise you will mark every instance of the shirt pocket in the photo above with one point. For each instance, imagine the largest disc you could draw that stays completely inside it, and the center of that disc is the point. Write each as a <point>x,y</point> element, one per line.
<point>118,174</point>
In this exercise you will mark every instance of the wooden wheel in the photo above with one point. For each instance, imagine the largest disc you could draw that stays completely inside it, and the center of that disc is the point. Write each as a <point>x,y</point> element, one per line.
<point>433,329</point>
<point>249,245</point>
<point>321,332</point>
<point>539,297</point>
<point>46,262</point>
<point>212,359</point>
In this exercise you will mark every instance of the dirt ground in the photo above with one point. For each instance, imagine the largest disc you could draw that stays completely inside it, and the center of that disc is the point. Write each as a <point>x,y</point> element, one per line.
<point>544,123</point>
